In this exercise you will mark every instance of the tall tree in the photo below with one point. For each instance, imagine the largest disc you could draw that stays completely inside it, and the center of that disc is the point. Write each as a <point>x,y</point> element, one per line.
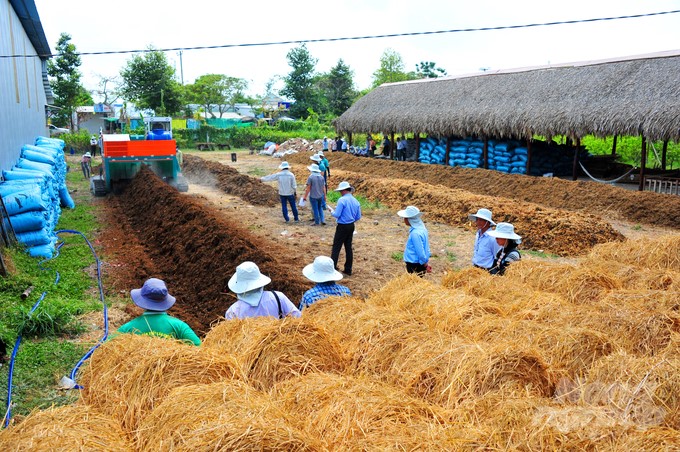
<point>391,69</point>
<point>429,69</point>
<point>106,89</point>
<point>338,88</point>
<point>299,84</point>
<point>149,82</point>
<point>216,90</point>
<point>65,81</point>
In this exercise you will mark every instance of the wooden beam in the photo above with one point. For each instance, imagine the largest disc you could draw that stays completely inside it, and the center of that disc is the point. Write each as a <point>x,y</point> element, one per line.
<point>485,153</point>
<point>391,145</point>
<point>528,170</point>
<point>643,163</point>
<point>417,146</point>
<point>574,169</point>
<point>614,146</point>
<point>663,155</point>
<point>350,139</point>
<point>448,151</point>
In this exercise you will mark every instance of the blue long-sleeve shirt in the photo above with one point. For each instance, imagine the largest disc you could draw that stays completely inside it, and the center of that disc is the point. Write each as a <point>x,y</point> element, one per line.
<point>485,250</point>
<point>417,249</point>
<point>348,209</point>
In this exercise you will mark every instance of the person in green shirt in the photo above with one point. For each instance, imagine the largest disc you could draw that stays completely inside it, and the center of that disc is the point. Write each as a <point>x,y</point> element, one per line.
<point>154,298</point>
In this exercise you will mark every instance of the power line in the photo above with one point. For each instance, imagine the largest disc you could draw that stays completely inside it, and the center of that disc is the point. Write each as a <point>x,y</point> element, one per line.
<point>357,38</point>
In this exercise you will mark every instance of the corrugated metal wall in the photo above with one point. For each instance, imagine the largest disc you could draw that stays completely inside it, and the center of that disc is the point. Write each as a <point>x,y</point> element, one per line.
<point>22,96</point>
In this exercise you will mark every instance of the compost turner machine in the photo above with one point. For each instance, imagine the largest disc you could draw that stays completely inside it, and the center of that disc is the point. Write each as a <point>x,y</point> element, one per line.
<point>123,157</point>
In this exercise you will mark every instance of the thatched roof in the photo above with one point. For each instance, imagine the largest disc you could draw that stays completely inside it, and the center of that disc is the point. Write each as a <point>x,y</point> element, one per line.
<point>639,95</point>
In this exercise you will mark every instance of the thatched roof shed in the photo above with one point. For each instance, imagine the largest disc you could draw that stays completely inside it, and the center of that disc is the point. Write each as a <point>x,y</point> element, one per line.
<point>638,95</point>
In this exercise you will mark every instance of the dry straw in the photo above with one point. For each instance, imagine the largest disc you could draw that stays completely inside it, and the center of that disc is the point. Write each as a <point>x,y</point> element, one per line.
<point>131,374</point>
<point>221,416</point>
<point>360,413</point>
<point>65,429</point>
<point>657,253</point>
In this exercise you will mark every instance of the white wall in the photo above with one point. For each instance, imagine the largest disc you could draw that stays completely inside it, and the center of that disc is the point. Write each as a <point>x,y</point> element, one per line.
<point>22,95</point>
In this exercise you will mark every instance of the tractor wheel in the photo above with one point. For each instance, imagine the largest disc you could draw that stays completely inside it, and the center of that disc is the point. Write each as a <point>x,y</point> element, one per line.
<point>98,186</point>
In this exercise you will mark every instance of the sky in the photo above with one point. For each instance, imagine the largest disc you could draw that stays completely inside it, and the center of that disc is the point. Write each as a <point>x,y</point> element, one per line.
<point>96,26</point>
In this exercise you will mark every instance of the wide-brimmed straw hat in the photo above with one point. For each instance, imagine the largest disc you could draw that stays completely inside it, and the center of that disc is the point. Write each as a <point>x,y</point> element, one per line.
<point>87,154</point>
<point>284,165</point>
<point>153,296</point>
<point>344,185</point>
<point>247,278</point>
<point>504,231</point>
<point>316,158</point>
<point>410,212</point>
<point>322,270</point>
<point>484,214</point>
<point>314,168</point>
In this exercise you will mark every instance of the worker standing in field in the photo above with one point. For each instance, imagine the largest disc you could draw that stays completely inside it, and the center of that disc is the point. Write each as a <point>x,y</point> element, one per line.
<point>347,212</point>
<point>86,164</point>
<point>252,300</point>
<point>287,190</point>
<point>417,250</point>
<point>154,298</point>
<point>93,145</point>
<point>485,245</point>
<point>324,144</point>
<point>315,191</point>
<point>507,240</point>
<point>322,271</point>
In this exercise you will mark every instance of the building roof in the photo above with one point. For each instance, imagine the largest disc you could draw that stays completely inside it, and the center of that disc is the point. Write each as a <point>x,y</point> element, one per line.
<point>632,96</point>
<point>30,21</point>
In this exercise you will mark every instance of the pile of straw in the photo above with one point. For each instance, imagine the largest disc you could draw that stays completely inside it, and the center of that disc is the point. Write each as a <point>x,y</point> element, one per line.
<point>221,416</point>
<point>657,253</point>
<point>361,413</point>
<point>131,374</point>
<point>66,428</point>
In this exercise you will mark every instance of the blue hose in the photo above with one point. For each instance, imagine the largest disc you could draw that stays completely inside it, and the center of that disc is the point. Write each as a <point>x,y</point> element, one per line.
<point>8,413</point>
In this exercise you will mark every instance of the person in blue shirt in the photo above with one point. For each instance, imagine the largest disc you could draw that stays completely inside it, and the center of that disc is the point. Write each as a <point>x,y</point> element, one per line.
<point>486,247</point>
<point>347,212</point>
<point>322,271</point>
<point>417,250</point>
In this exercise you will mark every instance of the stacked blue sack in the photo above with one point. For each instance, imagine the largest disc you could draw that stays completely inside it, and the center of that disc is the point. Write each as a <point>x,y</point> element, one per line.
<point>432,151</point>
<point>34,191</point>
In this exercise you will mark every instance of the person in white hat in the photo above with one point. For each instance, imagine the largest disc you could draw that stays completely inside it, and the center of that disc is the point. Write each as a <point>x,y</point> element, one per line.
<point>154,298</point>
<point>252,300</point>
<point>315,191</point>
<point>93,145</point>
<point>417,250</point>
<point>324,144</point>
<point>287,190</point>
<point>86,164</point>
<point>347,212</point>
<point>322,271</point>
<point>485,245</point>
<point>507,239</point>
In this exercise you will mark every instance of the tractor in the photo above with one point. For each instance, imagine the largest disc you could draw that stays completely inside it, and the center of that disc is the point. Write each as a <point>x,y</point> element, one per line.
<point>122,157</point>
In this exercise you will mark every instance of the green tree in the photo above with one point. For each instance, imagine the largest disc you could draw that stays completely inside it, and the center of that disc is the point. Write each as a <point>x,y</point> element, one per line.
<point>429,69</point>
<point>391,69</point>
<point>149,82</point>
<point>299,84</point>
<point>216,90</point>
<point>338,88</point>
<point>65,81</point>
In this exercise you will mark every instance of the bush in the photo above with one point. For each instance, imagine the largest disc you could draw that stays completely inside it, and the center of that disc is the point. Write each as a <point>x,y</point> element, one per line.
<point>79,141</point>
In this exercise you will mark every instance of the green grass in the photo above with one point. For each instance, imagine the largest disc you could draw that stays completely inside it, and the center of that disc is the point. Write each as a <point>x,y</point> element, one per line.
<point>366,204</point>
<point>398,256</point>
<point>259,172</point>
<point>539,254</point>
<point>451,257</point>
<point>46,353</point>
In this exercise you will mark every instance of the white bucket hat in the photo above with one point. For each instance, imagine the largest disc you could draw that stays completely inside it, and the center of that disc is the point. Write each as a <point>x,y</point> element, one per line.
<point>316,158</point>
<point>284,165</point>
<point>320,153</point>
<point>322,270</point>
<point>314,168</point>
<point>247,278</point>
<point>344,185</point>
<point>410,212</point>
<point>505,231</point>
<point>484,214</point>
<point>87,154</point>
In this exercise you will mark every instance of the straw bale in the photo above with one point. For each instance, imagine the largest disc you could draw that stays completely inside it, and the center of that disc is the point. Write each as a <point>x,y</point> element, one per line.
<point>131,374</point>
<point>220,416</point>
<point>651,253</point>
<point>643,390</point>
<point>336,314</point>
<point>65,429</point>
<point>291,347</point>
<point>351,412</point>
<point>642,278</point>
<point>234,334</point>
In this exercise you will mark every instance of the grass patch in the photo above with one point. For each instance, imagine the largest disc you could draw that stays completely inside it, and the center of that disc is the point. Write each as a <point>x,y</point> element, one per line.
<point>451,257</point>
<point>537,253</point>
<point>366,204</point>
<point>259,172</point>
<point>398,256</point>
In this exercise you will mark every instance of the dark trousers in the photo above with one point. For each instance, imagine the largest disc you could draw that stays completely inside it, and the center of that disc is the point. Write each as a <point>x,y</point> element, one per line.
<point>419,269</point>
<point>343,236</point>
<point>285,200</point>
<point>93,149</point>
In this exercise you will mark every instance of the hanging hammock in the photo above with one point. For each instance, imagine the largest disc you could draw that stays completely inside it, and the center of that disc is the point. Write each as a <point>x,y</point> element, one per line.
<point>613,181</point>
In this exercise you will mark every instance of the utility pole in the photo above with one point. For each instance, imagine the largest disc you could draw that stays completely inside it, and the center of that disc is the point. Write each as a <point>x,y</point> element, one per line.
<point>181,67</point>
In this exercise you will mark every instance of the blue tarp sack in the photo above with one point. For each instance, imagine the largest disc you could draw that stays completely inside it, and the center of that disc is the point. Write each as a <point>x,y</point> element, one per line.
<point>65,198</point>
<point>29,221</point>
<point>24,202</point>
<point>23,173</point>
<point>38,157</point>
<point>54,142</point>
<point>44,167</point>
<point>45,251</point>
<point>13,186</point>
<point>43,149</point>
<point>35,238</point>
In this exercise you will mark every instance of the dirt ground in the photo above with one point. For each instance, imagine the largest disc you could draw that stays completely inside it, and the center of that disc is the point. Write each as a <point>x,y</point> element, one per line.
<point>195,240</point>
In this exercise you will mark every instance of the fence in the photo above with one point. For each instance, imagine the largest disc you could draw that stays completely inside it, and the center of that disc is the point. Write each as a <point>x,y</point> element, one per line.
<point>664,185</point>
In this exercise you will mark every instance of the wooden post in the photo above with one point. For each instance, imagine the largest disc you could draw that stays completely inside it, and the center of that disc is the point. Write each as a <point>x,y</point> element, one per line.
<point>485,153</point>
<point>614,146</point>
<point>448,151</point>
<point>663,155</point>
<point>350,139</point>
<point>574,169</point>
<point>391,145</point>
<point>528,170</point>
<point>643,163</point>
<point>417,146</point>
